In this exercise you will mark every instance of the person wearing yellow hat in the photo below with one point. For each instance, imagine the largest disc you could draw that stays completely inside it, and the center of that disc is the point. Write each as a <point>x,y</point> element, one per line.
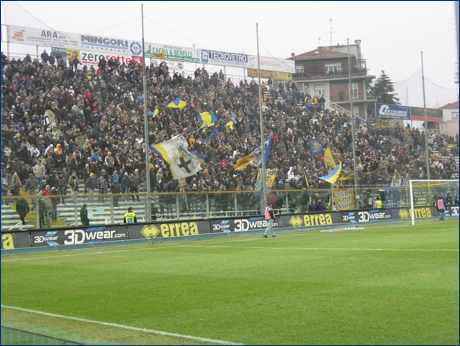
<point>90,186</point>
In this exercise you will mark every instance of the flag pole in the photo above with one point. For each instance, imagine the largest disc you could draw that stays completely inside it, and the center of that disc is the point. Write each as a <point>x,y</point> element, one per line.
<point>146,126</point>
<point>262,140</point>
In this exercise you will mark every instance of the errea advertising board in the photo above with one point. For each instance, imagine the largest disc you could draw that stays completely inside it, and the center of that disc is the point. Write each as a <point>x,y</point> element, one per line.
<point>392,111</point>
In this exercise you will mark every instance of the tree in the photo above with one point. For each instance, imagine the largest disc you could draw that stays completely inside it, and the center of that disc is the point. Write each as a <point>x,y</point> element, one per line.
<point>383,91</point>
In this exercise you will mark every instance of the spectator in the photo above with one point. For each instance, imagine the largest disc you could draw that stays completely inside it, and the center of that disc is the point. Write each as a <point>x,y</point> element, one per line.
<point>44,57</point>
<point>22,208</point>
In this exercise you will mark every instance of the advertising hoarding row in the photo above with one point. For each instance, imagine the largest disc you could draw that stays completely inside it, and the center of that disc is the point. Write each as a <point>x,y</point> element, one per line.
<point>186,228</point>
<point>92,47</point>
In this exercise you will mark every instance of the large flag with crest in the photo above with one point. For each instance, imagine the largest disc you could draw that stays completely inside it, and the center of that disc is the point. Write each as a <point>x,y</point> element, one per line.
<point>175,152</point>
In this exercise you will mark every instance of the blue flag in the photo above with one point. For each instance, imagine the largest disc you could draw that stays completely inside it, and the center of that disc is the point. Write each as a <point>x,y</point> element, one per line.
<point>316,147</point>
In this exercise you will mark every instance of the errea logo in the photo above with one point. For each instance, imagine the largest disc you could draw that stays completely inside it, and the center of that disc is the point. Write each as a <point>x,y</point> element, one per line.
<point>295,221</point>
<point>150,231</point>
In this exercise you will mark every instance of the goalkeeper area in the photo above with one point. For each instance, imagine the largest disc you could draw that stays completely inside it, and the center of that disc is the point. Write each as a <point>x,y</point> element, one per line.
<point>423,192</point>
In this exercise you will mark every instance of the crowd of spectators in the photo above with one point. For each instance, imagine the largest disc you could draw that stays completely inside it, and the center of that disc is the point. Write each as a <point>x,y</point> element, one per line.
<point>61,120</point>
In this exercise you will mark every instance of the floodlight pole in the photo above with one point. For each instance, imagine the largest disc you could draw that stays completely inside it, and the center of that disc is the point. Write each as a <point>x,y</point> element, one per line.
<point>146,127</point>
<point>262,140</point>
<point>427,153</point>
<point>355,175</point>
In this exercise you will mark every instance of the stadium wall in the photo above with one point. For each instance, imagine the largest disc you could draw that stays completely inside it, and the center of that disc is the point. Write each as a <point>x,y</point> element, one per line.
<point>185,228</point>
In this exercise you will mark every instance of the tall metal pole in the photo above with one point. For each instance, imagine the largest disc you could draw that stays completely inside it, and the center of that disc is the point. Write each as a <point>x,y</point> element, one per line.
<point>146,127</point>
<point>427,153</point>
<point>262,139</point>
<point>355,175</point>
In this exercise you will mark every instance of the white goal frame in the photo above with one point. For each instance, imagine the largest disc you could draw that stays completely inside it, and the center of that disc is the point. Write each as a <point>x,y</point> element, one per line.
<point>423,181</point>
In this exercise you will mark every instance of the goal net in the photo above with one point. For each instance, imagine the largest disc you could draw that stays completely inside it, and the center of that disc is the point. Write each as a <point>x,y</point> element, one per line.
<point>423,192</point>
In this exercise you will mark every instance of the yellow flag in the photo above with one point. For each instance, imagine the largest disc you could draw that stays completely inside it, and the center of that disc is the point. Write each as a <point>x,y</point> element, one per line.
<point>160,55</point>
<point>329,160</point>
<point>306,180</point>
<point>229,125</point>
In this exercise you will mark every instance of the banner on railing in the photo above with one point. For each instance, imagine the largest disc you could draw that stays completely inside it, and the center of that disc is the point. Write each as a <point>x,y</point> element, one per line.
<point>344,199</point>
<point>66,53</point>
<point>275,75</point>
<point>270,176</point>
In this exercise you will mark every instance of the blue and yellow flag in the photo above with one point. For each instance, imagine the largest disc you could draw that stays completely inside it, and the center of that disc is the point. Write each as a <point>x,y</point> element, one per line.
<point>256,157</point>
<point>334,175</point>
<point>177,103</point>
<point>316,147</point>
<point>243,162</point>
<point>206,119</point>
<point>199,156</point>
<point>329,160</point>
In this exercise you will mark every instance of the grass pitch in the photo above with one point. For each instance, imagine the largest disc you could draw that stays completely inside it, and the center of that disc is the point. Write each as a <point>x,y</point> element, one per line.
<point>383,284</point>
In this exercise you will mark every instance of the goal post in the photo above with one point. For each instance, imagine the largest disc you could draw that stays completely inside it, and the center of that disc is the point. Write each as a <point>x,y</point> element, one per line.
<point>429,188</point>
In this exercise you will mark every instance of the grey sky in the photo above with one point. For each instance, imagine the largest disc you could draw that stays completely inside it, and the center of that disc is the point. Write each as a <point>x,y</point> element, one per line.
<point>393,34</point>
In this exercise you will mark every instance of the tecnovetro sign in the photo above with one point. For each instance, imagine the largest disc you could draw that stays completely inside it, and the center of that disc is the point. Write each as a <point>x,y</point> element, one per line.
<point>224,58</point>
<point>392,111</point>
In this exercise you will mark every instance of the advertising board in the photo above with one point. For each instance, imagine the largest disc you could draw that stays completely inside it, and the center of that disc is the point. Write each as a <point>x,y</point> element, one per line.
<point>168,229</point>
<point>392,111</point>
<point>15,240</point>
<point>112,46</point>
<point>76,236</point>
<point>42,37</point>
<point>178,53</point>
<point>272,64</point>
<point>224,58</point>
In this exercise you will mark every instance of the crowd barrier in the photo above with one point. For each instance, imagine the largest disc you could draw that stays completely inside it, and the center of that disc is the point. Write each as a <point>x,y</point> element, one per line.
<point>189,227</point>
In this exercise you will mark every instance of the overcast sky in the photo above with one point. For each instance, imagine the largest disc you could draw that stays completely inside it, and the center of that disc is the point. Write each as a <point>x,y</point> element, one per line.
<point>392,34</point>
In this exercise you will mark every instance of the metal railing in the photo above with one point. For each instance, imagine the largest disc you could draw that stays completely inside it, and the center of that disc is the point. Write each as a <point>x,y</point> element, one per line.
<point>106,209</point>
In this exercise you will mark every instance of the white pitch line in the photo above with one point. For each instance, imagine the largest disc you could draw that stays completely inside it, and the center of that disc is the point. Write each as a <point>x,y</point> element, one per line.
<point>152,331</point>
<point>321,248</point>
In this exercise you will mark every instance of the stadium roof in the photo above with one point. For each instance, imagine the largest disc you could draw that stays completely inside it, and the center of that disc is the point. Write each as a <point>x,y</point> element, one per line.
<point>319,53</point>
<point>453,105</point>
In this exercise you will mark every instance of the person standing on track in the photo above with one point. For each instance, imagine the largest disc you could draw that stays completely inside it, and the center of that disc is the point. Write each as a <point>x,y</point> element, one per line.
<point>270,217</point>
